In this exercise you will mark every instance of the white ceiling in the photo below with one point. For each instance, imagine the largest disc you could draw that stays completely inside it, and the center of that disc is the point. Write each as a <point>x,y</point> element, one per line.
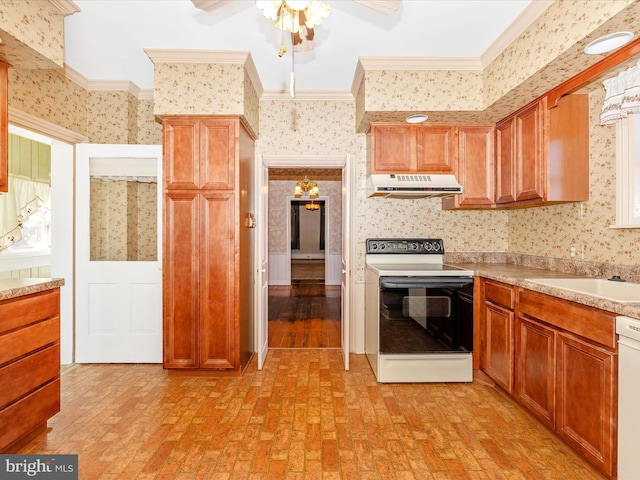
<point>107,38</point>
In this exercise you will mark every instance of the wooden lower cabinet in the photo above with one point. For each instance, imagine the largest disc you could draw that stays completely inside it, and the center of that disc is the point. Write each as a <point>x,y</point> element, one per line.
<point>536,384</point>
<point>586,405</point>
<point>567,373</point>
<point>29,366</point>
<point>497,359</point>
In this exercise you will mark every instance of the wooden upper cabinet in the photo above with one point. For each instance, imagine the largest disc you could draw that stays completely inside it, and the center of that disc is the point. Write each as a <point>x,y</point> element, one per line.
<point>542,155</point>
<point>437,148</point>
<point>392,148</point>
<point>403,148</point>
<point>475,170</point>
<point>217,145</point>
<point>4,127</point>
<point>197,153</point>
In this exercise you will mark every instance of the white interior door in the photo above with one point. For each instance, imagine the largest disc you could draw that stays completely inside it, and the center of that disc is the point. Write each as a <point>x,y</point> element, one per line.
<point>262,264</point>
<point>118,254</point>
<point>345,277</point>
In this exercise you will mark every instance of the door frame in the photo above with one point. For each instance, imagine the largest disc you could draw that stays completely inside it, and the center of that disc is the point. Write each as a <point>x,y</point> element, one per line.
<point>327,204</point>
<point>63,142</point>
<point>346,164</point>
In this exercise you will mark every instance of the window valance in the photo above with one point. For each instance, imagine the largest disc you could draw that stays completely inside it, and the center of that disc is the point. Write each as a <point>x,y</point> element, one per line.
<point>622,95</point>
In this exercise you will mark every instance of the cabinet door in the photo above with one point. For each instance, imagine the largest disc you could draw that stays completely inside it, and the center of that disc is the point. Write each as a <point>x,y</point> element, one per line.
<point>530,153</point>
<point>180,279</point>
<point>393,148</point>
<point>587,408</point>
<point>218,138</point>
<point>436,149</point>
<point>505,163</point>
<point>218,277</point>
<point>4,127</point>
<point>535,374</point>
<point>181,146</point>
<point>476,171</point>
<point>498,353</point>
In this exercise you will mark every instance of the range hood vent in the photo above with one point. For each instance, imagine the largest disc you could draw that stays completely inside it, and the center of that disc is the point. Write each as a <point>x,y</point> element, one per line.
<point>403,185</point>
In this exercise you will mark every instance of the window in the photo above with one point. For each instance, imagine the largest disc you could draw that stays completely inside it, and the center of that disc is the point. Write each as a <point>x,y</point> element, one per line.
<point>628,172</point>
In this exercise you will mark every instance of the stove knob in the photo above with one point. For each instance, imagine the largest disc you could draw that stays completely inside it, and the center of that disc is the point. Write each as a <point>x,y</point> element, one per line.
<point>382,246</point>
<point>428,247</point>
<point>413,246</point>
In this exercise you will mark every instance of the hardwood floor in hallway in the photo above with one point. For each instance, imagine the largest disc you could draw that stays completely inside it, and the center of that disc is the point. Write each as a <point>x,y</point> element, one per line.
<point>301,417</point>
<point>305,314</point>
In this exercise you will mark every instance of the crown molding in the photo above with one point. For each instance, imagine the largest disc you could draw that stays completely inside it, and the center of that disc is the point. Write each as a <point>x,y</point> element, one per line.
<point>420,63</point>
<point>107,85</point>
<point>67,7</point>
<point>43,127</point>
<point>324,95</point>
<point>519,25</point>
<point>252,72</point>
<point>196,56</point>
<point>357,79</point>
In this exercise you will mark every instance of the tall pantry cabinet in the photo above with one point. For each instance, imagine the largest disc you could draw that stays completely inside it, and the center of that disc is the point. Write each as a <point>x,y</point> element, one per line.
<point>207,249</point>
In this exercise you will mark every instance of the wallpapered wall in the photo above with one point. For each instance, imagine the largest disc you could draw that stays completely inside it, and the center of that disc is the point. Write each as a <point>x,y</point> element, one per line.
<point>123,220</point>
<point>279,190</point>
<point>551,231</point>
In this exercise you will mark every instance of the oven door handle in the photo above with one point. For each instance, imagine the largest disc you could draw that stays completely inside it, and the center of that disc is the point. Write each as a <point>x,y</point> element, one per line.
<point>425,282</point>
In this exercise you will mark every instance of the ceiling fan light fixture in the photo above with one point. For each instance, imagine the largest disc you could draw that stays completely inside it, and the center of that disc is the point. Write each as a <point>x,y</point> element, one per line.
<point>297,4</point>
<point>608,43</point>
<point>416,118</point>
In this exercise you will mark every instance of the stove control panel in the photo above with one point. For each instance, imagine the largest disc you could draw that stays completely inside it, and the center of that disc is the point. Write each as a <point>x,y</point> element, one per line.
<point>399,246</point>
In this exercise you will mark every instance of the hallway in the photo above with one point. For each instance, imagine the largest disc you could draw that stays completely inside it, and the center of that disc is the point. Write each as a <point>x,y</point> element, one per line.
<point>302,417</point>
<point>305,314</point>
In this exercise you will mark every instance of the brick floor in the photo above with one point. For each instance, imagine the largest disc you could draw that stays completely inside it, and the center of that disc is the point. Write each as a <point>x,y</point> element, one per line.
<point>302,417</point>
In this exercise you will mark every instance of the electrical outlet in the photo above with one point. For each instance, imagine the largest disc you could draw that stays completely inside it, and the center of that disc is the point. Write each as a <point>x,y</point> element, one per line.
<point>573,251</point>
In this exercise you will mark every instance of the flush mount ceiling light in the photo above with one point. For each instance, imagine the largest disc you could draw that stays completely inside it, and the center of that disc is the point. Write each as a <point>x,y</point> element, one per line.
<point>312,206</point>
<point>608,43</point>
<point>416,118</point>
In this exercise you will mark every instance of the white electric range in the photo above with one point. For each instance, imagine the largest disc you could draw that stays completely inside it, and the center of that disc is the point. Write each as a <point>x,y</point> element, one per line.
<point>419,313</point>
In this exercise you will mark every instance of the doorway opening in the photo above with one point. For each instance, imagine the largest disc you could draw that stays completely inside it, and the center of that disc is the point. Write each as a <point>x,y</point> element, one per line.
<point>305,251</point>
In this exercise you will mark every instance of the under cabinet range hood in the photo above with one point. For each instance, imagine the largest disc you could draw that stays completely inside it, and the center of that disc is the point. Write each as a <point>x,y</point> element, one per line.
<point>407,185</point>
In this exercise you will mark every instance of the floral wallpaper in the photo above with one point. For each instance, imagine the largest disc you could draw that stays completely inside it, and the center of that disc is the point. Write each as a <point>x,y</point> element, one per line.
<point>552,231</point>
<point>37,25</point>
<point>280,190</point>
<point>49,95</point>
<point>123,220</point>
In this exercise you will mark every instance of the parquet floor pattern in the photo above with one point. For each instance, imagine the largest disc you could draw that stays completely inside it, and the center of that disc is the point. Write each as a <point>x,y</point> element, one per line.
<point>301,417</point>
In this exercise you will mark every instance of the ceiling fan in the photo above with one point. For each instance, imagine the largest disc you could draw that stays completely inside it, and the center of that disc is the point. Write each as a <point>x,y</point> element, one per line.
<point>297,17</point>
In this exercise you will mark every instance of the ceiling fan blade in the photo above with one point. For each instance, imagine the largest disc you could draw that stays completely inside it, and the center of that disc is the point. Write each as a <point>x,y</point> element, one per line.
<point>209,5</point>
<point>383,6</point>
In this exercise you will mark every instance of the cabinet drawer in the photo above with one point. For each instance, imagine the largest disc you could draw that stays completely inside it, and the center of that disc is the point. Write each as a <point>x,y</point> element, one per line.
<point>500,294</point>
<point>20,311</point>
<point>20,418</point>
<point>20,342</point>
<point>19,378</point>
<point>582,320</point>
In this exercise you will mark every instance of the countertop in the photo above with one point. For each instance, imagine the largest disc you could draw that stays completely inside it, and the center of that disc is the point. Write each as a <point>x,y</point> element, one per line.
<point>17,287</point>
<point>513,274</point>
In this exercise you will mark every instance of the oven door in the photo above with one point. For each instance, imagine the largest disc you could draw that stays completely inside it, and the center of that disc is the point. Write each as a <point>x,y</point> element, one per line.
<point>426,315</point>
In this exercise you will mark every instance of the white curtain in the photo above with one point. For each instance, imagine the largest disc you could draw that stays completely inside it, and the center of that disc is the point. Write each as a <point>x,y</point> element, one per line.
<point>25,197</point>
<point>622,95</point>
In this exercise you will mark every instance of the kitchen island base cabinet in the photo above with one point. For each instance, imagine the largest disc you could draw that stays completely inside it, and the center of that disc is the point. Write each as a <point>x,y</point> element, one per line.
<point>29,366</point>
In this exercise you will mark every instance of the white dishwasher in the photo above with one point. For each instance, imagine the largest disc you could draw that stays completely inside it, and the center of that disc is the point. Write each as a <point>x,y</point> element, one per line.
<point>628,330</point>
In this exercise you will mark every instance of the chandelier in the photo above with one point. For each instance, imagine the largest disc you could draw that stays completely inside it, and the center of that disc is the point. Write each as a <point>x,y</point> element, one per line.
<point>308,187</point>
